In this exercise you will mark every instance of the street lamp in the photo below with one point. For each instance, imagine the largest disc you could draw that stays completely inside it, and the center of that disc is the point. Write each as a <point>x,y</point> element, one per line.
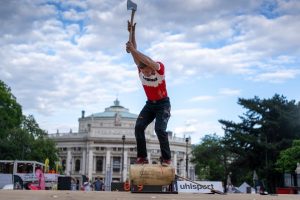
<point>187,158</point>
<point>123,139</point>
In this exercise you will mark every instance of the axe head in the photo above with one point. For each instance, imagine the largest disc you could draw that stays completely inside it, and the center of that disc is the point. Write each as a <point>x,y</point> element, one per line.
<point>131,5</point>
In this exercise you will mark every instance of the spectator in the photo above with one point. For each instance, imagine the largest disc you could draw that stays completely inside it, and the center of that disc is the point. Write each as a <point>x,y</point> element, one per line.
<point>98,184</point>
<point>87,185</point>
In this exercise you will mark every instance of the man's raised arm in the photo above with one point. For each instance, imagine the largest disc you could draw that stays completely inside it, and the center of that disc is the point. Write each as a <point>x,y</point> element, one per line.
<point>138,57</point>
<point>141,58</point>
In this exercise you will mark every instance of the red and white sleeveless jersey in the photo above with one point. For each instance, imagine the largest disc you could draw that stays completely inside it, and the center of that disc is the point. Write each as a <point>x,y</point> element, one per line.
<point>155,85</point>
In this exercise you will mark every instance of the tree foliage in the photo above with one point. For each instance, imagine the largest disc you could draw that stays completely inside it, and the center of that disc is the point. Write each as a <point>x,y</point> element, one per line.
<point>10,110</point>
<point>267,127</point>
<point>289,158</point>
<point>211,158</point>
<point>21,138</point>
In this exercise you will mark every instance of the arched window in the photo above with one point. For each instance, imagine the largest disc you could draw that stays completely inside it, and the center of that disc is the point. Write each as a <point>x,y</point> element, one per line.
<point>77,165</point>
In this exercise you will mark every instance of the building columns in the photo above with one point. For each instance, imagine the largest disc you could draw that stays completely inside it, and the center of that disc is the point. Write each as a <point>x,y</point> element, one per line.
<point>108,171</point>
<point>175,161</point>
<point>125,166</point>
<point>90,166</point>
<point>68,162</point>
<point>184,166</point>
<point>107,160</point>
<point>149,156</point>
<point>83,162</point>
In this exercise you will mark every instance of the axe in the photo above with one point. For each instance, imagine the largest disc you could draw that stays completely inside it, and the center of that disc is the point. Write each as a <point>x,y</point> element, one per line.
<point>131,6</point>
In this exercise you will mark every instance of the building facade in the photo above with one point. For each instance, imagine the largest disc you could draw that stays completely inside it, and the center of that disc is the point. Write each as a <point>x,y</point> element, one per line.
<point>105,146</point>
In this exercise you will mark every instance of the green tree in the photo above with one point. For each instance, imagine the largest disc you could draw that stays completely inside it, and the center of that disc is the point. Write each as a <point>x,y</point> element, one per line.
<point>289,158</point>
<point>40,146</point>
<point>20,143</point>
<point>211,158</point>
<point>266,128</point>
<point>10,118</point>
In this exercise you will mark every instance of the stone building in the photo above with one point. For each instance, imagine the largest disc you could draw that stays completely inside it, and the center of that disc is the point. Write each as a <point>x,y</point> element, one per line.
<point>105,146</point>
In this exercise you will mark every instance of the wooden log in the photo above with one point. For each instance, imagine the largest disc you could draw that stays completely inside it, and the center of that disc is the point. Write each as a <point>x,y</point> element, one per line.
<point>151,174</point>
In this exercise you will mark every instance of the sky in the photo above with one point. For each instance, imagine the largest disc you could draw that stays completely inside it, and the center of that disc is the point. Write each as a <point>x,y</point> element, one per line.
<point>60,57</point>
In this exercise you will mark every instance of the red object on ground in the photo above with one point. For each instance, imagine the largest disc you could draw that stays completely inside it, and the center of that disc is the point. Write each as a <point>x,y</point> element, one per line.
<point>32,187</point>
<point>286,190</point>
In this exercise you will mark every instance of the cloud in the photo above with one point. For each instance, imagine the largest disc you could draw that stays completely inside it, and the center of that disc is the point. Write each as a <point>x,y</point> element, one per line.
<point>288,7</point>
<point>198,129</point>
<point>202,98</point>
<point>193,112</point>
<point>229,92</point>
<point>277,76</point>
<point>232,45</point>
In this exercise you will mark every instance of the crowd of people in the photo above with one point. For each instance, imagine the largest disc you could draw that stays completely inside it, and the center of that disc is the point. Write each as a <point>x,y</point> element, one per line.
<point>88,185</point>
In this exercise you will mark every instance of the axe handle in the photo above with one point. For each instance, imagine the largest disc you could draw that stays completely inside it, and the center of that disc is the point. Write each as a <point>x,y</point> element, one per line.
<point>130,31</point>
<point>131,22</point>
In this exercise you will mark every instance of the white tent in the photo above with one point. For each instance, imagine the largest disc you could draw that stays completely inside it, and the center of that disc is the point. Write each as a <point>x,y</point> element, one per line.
<point>244,186</point>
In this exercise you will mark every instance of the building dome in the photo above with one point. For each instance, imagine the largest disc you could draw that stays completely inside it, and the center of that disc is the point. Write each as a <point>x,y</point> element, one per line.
<point>112,111</point>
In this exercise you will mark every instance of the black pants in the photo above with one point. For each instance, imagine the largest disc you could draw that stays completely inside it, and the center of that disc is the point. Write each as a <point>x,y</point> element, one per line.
<point>160,111</point>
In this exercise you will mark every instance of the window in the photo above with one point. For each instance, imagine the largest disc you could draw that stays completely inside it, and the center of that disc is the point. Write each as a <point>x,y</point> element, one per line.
<point>99,164</point>
<point>77,165</point>
<point>178,168</point>
<point>132,160</point>
<point>132,149</point>
<point>24,168</point>
<point>116,164</point>
<point>63,164</point>
<point>6,168</point>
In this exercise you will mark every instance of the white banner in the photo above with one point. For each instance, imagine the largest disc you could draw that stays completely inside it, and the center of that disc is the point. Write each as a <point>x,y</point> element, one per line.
<point>51,177</point>
<point>203,187</point>
<point>32,177</point>
<point>27,176</point>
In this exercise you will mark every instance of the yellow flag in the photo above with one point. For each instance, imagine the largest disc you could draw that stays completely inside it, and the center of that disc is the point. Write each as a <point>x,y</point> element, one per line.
<point>46,165</point>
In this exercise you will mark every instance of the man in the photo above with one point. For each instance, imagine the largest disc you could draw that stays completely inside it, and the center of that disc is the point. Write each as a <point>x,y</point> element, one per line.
<point>98,184</point>
<point>152,75</point>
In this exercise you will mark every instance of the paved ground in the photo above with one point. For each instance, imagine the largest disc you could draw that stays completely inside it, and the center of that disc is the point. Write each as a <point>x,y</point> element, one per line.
<point>80,195</point>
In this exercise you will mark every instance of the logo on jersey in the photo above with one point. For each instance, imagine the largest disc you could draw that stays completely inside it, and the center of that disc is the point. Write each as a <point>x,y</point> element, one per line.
<point>153,80</point>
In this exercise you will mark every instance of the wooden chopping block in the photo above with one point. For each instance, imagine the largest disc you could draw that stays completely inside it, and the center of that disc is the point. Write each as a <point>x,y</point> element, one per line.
<point>151,174</point>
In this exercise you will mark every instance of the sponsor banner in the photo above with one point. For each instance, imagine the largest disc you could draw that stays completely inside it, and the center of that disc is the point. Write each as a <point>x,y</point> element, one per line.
<point>32,177</point>
<point>51,177</point>
<point>27,177</point>
<point>203,187</point>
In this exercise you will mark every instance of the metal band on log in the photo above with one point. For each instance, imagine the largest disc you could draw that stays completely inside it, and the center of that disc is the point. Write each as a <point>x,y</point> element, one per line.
<point>151,174</point>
